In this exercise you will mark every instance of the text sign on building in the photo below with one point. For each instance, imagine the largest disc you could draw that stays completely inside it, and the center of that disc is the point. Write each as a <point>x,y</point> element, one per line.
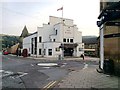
<point>68,31</point>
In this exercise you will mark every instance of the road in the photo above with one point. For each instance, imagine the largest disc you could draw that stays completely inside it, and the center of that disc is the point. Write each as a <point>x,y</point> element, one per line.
<point>19,72</point>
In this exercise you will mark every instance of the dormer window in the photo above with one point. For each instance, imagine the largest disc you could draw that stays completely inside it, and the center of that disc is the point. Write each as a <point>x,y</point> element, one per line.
<point>56,32</point>
<point>40,39</point>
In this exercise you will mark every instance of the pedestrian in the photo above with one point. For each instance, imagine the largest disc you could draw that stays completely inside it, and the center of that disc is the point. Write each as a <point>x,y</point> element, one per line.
<point>17,52</point>
<point>82,56</point>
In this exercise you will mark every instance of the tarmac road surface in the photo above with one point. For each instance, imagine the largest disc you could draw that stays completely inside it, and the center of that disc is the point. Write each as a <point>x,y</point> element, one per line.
<point>19,72</point>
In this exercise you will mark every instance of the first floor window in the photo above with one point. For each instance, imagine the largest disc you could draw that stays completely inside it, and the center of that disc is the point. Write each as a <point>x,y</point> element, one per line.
<point>71,40</point>
<point>39,51</point>
<point>50,52</point>
<point>64,40</point>
<point>67,40</point>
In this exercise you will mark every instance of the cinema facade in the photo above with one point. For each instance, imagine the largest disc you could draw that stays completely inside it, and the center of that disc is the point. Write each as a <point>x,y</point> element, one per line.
<point>60,37</point>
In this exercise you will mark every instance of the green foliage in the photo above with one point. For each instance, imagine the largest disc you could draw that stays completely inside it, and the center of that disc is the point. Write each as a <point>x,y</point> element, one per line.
<point>8,41</point>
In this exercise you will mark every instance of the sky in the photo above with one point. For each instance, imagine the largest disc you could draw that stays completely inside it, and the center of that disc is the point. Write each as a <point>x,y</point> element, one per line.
<point>15,14</point>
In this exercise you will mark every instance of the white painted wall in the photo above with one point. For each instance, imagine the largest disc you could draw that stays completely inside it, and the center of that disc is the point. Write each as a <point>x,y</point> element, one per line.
<point>54,20</point>
<point>27,42</point>
<point>48,32</point>
<point>53,46</point>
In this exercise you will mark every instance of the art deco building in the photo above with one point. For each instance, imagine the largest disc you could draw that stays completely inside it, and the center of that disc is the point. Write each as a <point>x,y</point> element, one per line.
<point>59,37</point>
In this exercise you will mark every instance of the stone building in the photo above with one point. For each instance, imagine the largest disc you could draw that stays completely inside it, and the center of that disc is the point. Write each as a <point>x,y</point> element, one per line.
<point>110,24</point>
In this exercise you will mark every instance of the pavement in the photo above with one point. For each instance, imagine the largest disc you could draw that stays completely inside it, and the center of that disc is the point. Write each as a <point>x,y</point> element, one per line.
<point>65,58</point>
<point>86,58</point>
<point>89,78</point>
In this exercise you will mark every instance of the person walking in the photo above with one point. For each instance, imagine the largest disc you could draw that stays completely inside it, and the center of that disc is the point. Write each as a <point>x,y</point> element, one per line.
<point>83,56</point>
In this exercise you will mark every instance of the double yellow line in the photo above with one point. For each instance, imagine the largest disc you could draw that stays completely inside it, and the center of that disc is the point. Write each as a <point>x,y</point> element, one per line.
<point>49,85</point>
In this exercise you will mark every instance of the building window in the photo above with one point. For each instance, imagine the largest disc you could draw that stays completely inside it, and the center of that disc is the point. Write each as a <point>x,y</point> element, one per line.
<point>56,32</point>
<point>44,51</point>
<point>39,51</point>
<point>57,49</point>
<point>50,52</point>
<point>71,40</point>
<point>40,39</point>
<point>64,40</point>
<point>53,40</point>
<point>32,46</point>
<point>67,40</point>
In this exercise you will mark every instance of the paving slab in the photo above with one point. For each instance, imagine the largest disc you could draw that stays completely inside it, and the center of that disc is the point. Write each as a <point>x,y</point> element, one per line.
<point>89,78</point>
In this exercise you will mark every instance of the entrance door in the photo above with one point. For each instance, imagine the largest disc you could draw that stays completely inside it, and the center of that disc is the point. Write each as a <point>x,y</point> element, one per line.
<point>68,51</point>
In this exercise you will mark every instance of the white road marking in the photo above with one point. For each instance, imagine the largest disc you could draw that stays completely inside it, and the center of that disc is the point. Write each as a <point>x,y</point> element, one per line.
<point>47,64</point>
<point>1,71</point>
<point>64,63</point>
<point>7,73</point>
<point>63,66</point>
<point>32,65</point>
<point>45,67</point>
<point>22,74</point>
<point>85,66</point>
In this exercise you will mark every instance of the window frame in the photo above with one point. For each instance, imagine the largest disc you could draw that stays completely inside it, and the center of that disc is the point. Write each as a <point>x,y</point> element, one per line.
<point>40,39</point>
<point>53,40</point>
<point>71,41</point>
<point>50,52</point>
<point>64,39</point>
<point>67,40</point>
<point>40,51</point>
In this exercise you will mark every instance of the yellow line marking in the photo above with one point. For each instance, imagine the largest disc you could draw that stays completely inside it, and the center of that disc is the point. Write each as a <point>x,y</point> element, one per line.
<point>48,84</point>
<point>51,84</point>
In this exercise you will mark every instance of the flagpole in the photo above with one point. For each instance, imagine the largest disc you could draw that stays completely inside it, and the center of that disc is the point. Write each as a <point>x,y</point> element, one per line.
<point>62,43</point>
<point>63,34</point>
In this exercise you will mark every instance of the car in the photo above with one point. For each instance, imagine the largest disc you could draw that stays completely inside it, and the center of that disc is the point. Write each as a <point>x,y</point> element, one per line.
<point>5,53</point>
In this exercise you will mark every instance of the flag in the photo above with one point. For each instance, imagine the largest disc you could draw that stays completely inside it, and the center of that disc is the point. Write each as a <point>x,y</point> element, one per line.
<point>60,9</point>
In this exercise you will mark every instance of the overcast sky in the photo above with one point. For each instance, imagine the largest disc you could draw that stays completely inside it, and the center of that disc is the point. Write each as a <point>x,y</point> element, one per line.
<point>33,13</point>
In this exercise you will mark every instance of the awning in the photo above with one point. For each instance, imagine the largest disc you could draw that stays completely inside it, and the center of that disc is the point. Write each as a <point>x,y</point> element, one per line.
<point>70,45</point>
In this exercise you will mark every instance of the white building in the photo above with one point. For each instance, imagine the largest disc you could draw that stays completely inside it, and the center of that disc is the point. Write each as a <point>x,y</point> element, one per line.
<point>58,36</point>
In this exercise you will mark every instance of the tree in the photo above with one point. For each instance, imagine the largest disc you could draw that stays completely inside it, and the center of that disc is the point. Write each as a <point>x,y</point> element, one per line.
<point>23,35</point>
<point>24,32</point>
